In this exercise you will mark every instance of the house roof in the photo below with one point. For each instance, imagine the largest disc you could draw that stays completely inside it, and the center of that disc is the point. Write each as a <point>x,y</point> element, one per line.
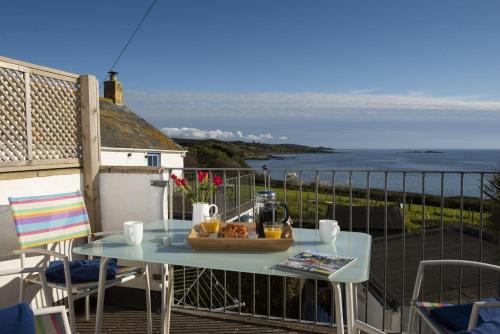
<point>122,128</point>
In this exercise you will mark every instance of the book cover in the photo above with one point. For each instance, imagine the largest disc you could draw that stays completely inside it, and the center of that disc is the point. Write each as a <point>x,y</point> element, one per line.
<point>317,263</point>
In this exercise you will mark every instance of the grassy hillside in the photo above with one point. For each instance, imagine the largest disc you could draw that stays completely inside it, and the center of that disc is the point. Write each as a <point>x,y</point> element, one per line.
<point>217,153</point>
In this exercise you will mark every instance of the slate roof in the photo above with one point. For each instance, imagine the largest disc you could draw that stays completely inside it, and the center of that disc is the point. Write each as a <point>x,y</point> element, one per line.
<point>122,128</point>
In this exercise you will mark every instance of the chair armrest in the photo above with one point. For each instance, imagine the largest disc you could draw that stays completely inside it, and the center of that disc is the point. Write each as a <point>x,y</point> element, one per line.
<point>64,258</point>
<point>42,252</point>
<point>484,304</point>
<point>28,270</point>
<point>464,263</point>
<point>31,270</point>
<point>476,307</point>
<point>102,234</point>
<point>429,263</point>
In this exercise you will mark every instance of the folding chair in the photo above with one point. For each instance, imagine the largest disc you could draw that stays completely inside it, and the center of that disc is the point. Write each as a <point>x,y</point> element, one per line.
<point>46,320</point>
<point>48,219</point>
<point>424,308</point>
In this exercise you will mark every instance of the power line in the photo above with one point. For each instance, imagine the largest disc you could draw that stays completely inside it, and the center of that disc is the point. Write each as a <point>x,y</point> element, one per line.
<point>129,40</point>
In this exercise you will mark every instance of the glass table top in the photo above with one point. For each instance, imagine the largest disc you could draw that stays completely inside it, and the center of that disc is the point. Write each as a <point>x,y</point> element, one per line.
<point>165,242</point>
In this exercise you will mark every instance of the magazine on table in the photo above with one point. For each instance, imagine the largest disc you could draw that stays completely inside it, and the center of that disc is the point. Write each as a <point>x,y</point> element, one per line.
<point>317,264</point>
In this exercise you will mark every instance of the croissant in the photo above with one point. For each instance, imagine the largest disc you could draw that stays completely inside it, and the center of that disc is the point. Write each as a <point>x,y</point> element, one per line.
<point>233,231</point>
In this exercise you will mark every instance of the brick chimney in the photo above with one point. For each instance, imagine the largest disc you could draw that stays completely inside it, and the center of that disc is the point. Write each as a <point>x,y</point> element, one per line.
<point>113,88</point>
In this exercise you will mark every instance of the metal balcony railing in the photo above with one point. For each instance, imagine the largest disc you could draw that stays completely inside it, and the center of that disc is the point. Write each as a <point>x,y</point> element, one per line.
<point>412,215</point>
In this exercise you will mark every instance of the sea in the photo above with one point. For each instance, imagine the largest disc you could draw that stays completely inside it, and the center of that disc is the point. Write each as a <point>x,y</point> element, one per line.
<point>433,162</point>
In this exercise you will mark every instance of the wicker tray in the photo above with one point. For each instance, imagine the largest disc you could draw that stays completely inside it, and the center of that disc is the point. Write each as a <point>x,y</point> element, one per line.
<point>238,244</point>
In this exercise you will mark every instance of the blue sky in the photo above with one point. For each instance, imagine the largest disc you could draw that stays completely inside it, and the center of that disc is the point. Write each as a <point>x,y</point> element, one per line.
<point>419,74</point>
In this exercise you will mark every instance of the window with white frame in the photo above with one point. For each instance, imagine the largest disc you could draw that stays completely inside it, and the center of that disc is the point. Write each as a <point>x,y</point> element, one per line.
<point>154,159</point>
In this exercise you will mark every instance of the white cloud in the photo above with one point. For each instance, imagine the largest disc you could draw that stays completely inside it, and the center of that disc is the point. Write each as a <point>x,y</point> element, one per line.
<point>357,105</point>
<point>195,133</point>
<point>198,133</point>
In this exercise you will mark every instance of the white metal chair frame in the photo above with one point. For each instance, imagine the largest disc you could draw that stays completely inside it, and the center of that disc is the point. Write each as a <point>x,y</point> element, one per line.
<point>46,293</point>
<point>80,290</point>
<point>52,310</point>
<point>418,283</point>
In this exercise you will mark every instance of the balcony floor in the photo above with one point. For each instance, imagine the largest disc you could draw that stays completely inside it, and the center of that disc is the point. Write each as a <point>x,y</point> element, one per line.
<point>119,320</point>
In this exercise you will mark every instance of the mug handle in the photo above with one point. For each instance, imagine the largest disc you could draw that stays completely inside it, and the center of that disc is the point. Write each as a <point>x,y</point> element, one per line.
<point>216,209</point>
<point>337,228</point>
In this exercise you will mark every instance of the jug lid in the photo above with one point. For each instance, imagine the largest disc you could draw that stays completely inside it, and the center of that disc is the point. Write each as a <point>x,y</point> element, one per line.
<point>266,194</point>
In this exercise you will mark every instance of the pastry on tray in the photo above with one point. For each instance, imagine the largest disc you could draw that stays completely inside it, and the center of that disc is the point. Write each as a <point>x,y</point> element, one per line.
<point>233,231</point>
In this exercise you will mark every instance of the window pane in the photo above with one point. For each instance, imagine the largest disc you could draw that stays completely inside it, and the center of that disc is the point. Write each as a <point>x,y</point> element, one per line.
<point>154,159</point>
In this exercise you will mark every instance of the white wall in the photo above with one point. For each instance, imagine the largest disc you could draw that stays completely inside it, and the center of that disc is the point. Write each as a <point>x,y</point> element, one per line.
<point>9,285</point>
<point>113,157</point>
<point>130,196</point>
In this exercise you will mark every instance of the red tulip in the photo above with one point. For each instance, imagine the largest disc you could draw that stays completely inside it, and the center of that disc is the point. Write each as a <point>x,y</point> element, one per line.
<point>184,182</point>
<point>173,177</point>
<point>218,180</point>
<point>202,176</point>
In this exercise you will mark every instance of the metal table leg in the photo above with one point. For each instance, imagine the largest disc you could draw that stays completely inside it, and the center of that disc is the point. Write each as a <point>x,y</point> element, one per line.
<point>148,300</point>
<point>338,308</point>
<point>354,325</point>
<point>167,296</point>
<point>349,308</point>
<point>100,293</point>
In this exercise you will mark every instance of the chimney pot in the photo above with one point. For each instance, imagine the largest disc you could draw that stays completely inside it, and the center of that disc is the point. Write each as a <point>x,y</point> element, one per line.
<point>113,76</point>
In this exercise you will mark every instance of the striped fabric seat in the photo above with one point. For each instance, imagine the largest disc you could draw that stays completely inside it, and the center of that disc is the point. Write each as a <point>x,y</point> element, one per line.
<point>41,220</point>
<point>50,324</point>
<point>425,309</point>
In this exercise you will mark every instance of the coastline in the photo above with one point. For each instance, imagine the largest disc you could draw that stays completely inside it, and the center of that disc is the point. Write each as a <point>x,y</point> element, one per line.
<point>451,162</point>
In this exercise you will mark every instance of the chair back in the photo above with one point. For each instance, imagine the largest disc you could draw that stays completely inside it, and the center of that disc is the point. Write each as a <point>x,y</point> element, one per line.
<point>45,219</point>
<point>51,320</point>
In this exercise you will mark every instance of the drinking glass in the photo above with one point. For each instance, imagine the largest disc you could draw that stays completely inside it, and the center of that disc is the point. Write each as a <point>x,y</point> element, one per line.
<point>273,230</point>
<point>211,224</point>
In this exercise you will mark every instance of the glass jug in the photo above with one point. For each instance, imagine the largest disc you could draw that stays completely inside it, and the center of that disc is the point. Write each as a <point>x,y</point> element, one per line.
<point>265,210</point>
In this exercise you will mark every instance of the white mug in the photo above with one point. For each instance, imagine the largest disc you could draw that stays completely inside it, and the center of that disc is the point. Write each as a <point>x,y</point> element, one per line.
<point>133,231</point>
<point>328,230</point>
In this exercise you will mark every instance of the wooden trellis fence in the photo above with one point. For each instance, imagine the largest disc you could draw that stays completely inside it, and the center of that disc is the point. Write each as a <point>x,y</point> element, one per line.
<point>49,119</point>
<point>40,123</point>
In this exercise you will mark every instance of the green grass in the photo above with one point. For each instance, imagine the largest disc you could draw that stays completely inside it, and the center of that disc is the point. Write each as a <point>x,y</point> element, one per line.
<point>413,212</point>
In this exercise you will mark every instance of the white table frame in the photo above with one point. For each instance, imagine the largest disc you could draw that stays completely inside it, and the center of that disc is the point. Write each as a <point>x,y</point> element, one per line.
<point>353,325</point>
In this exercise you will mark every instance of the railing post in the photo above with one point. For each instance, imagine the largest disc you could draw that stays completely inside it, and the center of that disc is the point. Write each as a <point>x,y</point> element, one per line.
<point>91,147</point>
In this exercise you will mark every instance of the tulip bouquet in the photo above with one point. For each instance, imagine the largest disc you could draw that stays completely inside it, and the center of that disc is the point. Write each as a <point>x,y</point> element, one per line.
<point>205,187</point>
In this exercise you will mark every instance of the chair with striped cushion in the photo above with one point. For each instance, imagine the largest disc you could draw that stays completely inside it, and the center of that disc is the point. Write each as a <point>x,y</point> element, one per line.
<point>51,320</point>
<point>20,317</point>
<point>50,219</point>
<point>449,318</point>
<point>41,220</point>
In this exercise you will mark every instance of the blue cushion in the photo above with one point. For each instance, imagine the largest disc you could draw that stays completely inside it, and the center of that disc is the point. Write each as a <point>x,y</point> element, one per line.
<point>82,271</point>
<point>488,327</point>
<point>492,313</point>
<point>17,319</point>
<point>456,317</point>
